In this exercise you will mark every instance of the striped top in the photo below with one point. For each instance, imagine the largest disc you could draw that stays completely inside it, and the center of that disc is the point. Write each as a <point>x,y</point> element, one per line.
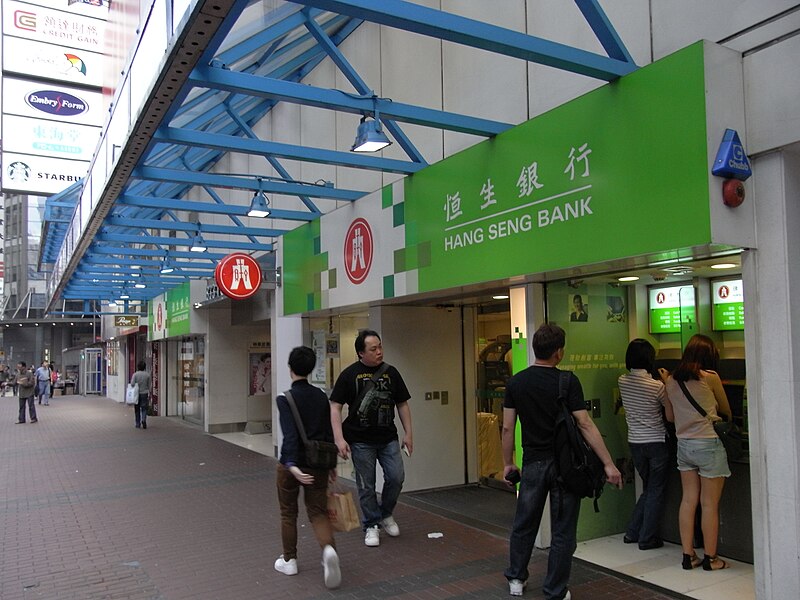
<point>643,397</point>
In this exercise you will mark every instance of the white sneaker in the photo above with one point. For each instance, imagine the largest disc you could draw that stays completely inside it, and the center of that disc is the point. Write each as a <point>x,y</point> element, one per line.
<point>516,587</point>
<point>287,567</point>
<point>373,536</point>
<point>568,595</point>
<point>330,566</point>
<point>390,526</point>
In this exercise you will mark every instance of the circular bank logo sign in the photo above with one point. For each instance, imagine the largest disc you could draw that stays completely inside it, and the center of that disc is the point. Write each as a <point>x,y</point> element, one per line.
<point>238,276</point>
<point>358,251</point>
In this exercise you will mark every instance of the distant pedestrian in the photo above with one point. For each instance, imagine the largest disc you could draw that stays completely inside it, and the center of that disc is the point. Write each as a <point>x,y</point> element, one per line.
<point>26,386</point>
<point>142,378</point>
<point>43,382</point>
<point>4,379</point>
<point>53,378</point>
<point>293,474</point>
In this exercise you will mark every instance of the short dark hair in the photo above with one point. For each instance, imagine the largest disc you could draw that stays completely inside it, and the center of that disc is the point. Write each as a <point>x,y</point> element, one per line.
<point>22,363</point>
<point>547,340</point>
<point>640,355</point>
<point>302,360</point>
<point>361,343</point>
<point>700,353</point>
<point>141,365</point>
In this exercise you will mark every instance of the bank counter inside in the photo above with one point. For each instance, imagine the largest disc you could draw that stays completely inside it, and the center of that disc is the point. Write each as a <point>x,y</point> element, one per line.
<point>735,509</point>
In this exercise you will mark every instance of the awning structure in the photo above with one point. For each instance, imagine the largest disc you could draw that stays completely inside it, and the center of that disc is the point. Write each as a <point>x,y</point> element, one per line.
<point>226,71</point>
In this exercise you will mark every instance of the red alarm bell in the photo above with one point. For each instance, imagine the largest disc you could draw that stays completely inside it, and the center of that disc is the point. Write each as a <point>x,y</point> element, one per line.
<point>732,192</point>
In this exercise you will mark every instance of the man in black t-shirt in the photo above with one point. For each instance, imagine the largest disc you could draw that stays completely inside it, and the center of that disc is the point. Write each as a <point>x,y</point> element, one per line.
<point>372,390</point>
<point>532,395</point>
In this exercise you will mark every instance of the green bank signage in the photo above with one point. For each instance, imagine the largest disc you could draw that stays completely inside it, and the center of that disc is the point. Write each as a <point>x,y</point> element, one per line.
<point>621,171</point>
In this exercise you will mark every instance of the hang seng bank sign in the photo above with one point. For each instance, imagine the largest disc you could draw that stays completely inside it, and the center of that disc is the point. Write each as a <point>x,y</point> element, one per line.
<point>621,171</point>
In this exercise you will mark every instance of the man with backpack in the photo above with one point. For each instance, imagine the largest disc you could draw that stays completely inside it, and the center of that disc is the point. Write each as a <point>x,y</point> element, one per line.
<point>534,395</point>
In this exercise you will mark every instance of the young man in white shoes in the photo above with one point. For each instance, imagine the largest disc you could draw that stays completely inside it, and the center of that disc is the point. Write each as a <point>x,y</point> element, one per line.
<point>293,473</point>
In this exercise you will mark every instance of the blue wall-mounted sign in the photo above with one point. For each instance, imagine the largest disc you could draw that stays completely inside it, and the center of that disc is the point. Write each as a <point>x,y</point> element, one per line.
<point>731,161</point>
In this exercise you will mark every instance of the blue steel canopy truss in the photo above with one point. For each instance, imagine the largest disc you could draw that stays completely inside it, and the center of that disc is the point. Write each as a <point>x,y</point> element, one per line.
<point>241,71</point>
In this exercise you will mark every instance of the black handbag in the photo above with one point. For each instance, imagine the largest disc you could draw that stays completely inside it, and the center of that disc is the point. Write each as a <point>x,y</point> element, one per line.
<point>318,454</point>
<point>727,431</point>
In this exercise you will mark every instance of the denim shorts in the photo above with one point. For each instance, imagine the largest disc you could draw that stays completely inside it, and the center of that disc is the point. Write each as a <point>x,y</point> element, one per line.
<point>707,456</point>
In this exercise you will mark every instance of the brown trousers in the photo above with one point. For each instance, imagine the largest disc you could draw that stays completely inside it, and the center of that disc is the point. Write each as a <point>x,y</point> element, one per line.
<point>316,500</point>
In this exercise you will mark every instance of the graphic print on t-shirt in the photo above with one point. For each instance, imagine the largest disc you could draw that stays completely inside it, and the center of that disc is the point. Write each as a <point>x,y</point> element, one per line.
<point>376,407</point>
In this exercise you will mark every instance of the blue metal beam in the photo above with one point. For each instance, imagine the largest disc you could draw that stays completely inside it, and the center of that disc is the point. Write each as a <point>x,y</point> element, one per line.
<point>192,227</point>
<point>360,86</point>
<point>461,30</point>
<point>132,251</point>
<point>298,93</point>
<point>170,242</point>
<point>303,153</point>
<point>604,30</point>
<point>220,180</point>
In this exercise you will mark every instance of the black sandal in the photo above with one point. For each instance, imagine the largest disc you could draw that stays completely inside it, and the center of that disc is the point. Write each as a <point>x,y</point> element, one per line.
<point>691,561</point>
<point>709,560</point>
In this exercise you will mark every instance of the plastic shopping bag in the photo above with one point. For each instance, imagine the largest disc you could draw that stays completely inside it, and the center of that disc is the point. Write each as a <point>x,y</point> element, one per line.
<point>132,393</point>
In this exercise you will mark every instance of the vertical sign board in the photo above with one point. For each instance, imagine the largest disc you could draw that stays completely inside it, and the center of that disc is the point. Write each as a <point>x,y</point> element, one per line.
<point>577,185</point>
<point>50,129</point>
<point>157,318</point>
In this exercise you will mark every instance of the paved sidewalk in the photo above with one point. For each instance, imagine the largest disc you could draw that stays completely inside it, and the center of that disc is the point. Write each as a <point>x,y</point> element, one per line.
<point>92,508</point>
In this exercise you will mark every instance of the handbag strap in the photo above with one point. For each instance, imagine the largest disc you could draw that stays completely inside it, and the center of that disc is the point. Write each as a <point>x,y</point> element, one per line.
<point>297,421</point>
<point>691,400</point>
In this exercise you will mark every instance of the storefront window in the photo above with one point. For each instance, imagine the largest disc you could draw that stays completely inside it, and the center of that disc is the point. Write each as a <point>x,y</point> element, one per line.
<point>191,364</point>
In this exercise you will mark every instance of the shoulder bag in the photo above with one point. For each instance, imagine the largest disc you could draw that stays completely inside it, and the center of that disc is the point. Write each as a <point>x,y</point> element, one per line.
<point>318,454</point>
<point>364,397</point>
<point>727,431</point>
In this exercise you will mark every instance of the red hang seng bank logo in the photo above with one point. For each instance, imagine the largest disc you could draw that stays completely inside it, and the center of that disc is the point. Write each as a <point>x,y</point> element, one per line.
<point>358,249</point>
<point>238,276</point>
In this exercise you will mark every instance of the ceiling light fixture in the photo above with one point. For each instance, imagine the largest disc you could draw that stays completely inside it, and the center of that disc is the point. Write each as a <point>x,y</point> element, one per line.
<point>628,278</point>
<point>140,286</point>
<point>198,244</point>
<point>167,267</point>
<point>724,266</point>
<point>370,136</point>
<point>500,297</point>
<point>259,204</point>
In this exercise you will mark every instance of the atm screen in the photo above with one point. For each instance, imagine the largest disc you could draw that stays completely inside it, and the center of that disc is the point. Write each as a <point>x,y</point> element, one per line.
<point>727,302</point>
<point>668,307</point>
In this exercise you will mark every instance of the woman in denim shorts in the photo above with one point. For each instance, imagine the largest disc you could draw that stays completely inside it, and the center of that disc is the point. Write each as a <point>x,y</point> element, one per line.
<point>702,460</point>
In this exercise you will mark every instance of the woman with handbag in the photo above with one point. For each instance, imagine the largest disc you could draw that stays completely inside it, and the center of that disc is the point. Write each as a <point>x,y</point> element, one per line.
<point>696,399</point>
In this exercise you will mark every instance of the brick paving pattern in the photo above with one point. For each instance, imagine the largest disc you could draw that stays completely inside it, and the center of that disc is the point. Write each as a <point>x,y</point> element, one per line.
<point>93,509</point>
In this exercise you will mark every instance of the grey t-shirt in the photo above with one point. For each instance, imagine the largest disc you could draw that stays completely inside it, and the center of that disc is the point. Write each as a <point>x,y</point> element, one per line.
<point>143,379</point>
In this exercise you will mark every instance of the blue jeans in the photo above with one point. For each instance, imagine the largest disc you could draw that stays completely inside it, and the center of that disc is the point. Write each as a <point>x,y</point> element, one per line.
<point>140,410</point>
<point>652,463</point>
<point>365,456</point>
<point>539,480</point>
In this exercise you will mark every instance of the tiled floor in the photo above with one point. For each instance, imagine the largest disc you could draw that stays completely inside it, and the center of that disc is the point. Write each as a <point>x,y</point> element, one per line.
<point>662,567</point>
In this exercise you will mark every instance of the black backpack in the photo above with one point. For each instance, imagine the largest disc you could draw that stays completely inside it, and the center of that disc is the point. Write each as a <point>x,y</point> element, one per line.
<point>577,467</point>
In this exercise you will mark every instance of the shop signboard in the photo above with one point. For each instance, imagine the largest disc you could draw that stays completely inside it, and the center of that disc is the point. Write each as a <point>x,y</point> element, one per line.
<point>50,138</point>
<point>54,26</point>
<point>178,307</point>
<point>157,318</point>
<point>53,101</point>
<point>578,185</point>
<point>238,276</point>
<point>126,321</point>
<point>48,61</point>
<point>40,175</point>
